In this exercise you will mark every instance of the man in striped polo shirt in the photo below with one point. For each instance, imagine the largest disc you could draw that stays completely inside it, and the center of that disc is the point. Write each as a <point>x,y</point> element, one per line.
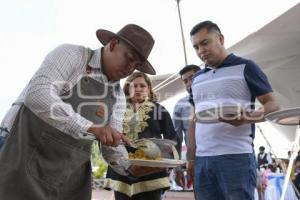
<point>221,153</point>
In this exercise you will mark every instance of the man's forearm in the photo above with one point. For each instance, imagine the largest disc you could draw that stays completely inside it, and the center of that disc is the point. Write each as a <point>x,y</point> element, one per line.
<point>259,115</point>
<point>191,148</point>
<point>269,104</point>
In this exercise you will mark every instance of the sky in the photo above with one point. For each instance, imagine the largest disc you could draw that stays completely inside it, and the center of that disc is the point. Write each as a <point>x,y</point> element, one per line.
<point>30,29</point>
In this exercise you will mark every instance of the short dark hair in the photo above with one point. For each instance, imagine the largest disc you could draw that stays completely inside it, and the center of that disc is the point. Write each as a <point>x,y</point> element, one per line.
<point>261,148</point>
<point>209,25</point>
<point>189,68</point>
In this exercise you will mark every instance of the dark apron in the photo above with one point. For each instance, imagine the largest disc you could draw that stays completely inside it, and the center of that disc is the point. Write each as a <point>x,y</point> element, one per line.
<point>39,162</point>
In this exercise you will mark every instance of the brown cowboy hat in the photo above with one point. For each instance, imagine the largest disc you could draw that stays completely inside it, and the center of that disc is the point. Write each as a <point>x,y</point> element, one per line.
<point>135,36</point>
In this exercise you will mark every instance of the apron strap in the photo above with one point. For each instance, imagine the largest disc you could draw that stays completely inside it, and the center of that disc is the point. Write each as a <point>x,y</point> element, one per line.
<point>88,68</point>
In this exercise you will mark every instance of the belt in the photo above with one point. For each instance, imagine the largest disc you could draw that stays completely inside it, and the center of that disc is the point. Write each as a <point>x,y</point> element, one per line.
<point>3,132</point>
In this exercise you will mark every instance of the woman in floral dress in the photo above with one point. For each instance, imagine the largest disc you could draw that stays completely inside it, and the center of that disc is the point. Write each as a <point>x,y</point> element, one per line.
<point>144,118</point>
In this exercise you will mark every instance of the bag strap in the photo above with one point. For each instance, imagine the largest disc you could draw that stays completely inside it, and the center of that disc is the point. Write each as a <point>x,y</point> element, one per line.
<point>88,69</point>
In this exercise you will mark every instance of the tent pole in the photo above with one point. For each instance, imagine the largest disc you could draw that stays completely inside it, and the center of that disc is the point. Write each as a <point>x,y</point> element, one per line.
<point>182,34</point>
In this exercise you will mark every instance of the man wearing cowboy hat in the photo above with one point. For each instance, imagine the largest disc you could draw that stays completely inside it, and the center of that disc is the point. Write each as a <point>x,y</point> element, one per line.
<point>75,93</point>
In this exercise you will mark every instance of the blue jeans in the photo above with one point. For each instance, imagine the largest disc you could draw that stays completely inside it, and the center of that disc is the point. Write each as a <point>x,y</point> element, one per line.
<point>3,135</point>
<point>225,177</point>
<point>2,140</point>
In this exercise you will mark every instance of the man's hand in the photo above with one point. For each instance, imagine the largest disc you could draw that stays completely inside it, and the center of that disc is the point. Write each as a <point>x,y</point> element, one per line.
<point>108,135</point>
<point>241,120</point>
<point>138,171</point>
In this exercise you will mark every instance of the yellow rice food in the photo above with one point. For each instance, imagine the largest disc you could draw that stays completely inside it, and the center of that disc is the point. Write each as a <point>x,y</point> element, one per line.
<point>139,154</point>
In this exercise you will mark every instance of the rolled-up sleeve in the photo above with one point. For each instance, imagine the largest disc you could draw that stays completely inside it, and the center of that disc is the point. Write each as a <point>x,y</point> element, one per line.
<point>117,157</point>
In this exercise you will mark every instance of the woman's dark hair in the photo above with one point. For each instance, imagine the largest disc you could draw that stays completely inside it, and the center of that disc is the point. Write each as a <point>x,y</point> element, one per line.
<point>134,75</point>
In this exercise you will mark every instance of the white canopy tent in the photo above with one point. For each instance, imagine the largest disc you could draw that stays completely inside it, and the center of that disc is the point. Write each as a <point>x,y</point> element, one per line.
<point>276,48</point>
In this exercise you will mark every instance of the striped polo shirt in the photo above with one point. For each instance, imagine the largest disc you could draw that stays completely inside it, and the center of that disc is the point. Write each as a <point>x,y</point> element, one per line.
<point>237,81</point>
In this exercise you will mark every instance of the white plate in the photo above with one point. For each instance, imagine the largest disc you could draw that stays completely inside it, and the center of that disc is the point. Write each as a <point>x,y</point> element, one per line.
<point>164,163</point>
<point>285,117</point>
<point>212,115</point>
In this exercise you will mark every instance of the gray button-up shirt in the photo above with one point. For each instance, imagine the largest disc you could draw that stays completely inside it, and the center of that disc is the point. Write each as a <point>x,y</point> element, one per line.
<point>60,71</point>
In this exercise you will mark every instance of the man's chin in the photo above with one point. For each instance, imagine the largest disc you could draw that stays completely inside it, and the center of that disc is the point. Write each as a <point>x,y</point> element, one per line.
<point>114,78</point>
<point>121,75</point>
<point>118,76</point>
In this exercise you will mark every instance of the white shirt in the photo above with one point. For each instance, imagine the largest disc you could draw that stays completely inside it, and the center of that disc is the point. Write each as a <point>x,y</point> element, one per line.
<point>262,155</point>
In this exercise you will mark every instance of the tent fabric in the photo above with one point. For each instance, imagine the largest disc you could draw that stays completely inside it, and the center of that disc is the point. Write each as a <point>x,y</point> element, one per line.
<point>276,48</point>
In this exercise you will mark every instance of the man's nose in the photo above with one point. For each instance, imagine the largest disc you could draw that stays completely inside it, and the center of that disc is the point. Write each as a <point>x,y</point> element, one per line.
<point>201,51</point>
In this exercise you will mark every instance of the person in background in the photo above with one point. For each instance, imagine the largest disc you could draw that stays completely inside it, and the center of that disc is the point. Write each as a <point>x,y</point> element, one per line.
<point>297,174</point>
<point>181,117</point>
<point>289,154</point>
<point>74,96</point>
<point>298,157</point>
<point>263,159</point>
<point>297,163</point>
<point>183,109</point>
<point>3,135</point>
<point>221,153</point>
<point>144,118</point>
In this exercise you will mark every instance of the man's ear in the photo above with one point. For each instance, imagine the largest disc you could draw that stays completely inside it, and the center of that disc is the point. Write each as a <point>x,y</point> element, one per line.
<point>113,43</point>
<point>221,36</point>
